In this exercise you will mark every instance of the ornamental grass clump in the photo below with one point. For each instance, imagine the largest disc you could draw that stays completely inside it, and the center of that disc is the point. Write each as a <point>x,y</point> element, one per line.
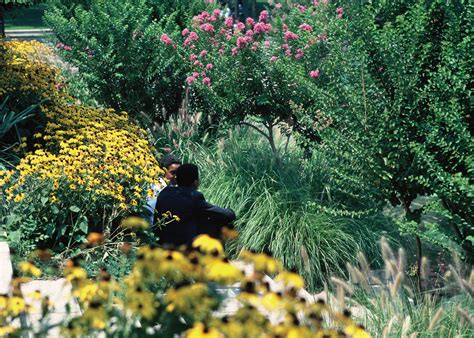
<point>176,292</point>
<point>82,171</point>
<point>394,307</point>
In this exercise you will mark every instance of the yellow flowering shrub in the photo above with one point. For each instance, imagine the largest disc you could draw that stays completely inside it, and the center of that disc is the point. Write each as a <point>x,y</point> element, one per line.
<point>83,171</point>
<point>171,292</point>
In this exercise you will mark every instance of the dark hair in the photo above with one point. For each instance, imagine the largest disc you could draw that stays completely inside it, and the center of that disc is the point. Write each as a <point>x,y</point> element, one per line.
<point>168,160</point>
<point>187,174</point>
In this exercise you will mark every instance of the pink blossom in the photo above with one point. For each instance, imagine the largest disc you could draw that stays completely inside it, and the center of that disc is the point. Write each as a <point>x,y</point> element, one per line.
<point>315,2</point>
<point>299,54</point>
<point>193,36</point>
<point>339,12</point>
<point>209,66</point>
<point>263,16</point>
<point>290,36</point>
<point>185,32</point>
<point>278,6</point>
<point>206,81</point>
<point>203,74</point>
<point>216,13</point>
<point>195,74</point>
<point>285,27</point>
<point>288,52</point>
<point>240,26</point>
<point>285,46</point>
<point>234,51</point>
<point>314,74</point>
<point>203,53</point>
<point>190,80</point>
<point>207,27</point>
<point>306,27</point>
<point>250,21</point>
<point>61,45</point>
<point>241,42</point>
<point>229,22</point>
<point>249,33</point>
<point>166,39</point>
<point>302,9</point>
<point>255,45</point>
<point>67,48</point>
<point>306,46</point>
<point>267,44</point>
<point>193,57</point>
<point>261,27</point>
<point>197,63</point>
<point>221,50</point>
<point>273,58</point>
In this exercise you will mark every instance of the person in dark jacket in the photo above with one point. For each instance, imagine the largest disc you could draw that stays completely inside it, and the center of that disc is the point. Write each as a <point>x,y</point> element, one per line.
<point>194,215</point>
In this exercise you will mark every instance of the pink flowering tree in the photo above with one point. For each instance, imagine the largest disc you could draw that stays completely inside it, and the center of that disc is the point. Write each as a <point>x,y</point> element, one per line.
<point>264,73</point>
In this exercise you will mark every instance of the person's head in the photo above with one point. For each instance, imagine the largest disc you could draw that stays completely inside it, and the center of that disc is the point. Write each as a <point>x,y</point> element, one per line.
<point>187,175</point>
<point>171,163</point>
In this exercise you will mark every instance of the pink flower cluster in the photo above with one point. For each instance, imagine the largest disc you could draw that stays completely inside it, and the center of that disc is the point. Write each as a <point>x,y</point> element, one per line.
<point>64,47</point>
<point>339,12</point>
<point>290,36</point>
<point>306,27</point>
<point>314,74</point>
<point>166,39</point>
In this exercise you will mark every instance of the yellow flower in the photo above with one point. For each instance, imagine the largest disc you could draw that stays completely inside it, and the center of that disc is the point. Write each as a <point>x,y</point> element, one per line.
<point>135,222</point>
<point>20,197</point>
<point>16,305</point>
<point>200,331</point>
<point>290,279</point>
<point>29,268</point>
<point>209,245</point>
<point>222,272</point>
<point>6,330</point>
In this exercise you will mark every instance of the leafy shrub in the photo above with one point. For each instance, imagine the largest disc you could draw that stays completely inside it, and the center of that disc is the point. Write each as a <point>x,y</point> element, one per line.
<point>88,168</point>
<point>258,72</point>
<point>116,46</point>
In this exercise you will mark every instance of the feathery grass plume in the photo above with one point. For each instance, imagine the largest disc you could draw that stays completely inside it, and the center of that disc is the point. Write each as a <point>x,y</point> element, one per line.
<point>465,316</point>
<point>364,265</point>
<point>414,335</point>
<point>343,284</point>
<point>377,281</point>
<point>436,318</point>
<point>387,252</point>
<point>305,258</point>
<point>471,279</point>
<point>424,268</point>
<point>340,295</point>
<point>363,279</point>
<point>391,270</point>
<point>395,286</point>
<point>406,326</point>
<point>388,328</point>
<point>352,274</point>
<point>409,291</point>
<point>456,277</point>
<point>401,260</point>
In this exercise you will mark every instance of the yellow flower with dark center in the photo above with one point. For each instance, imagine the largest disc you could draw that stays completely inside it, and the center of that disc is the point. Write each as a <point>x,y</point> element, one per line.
<point>29,268</point>
<point>208,245</point>
<point>75,274</point>
<point>217,270</point>
<point>290,279</point>
<point>193,300</point>
<point>143,306</point>
<point>199,330</point>
<point>16,305</point>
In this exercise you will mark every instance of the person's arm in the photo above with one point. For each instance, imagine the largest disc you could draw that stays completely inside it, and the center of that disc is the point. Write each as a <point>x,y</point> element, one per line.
<point>220,215</point>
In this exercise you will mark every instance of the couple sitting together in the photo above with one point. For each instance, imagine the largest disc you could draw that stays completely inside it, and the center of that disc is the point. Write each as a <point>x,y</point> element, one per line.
<point>181,198</point>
